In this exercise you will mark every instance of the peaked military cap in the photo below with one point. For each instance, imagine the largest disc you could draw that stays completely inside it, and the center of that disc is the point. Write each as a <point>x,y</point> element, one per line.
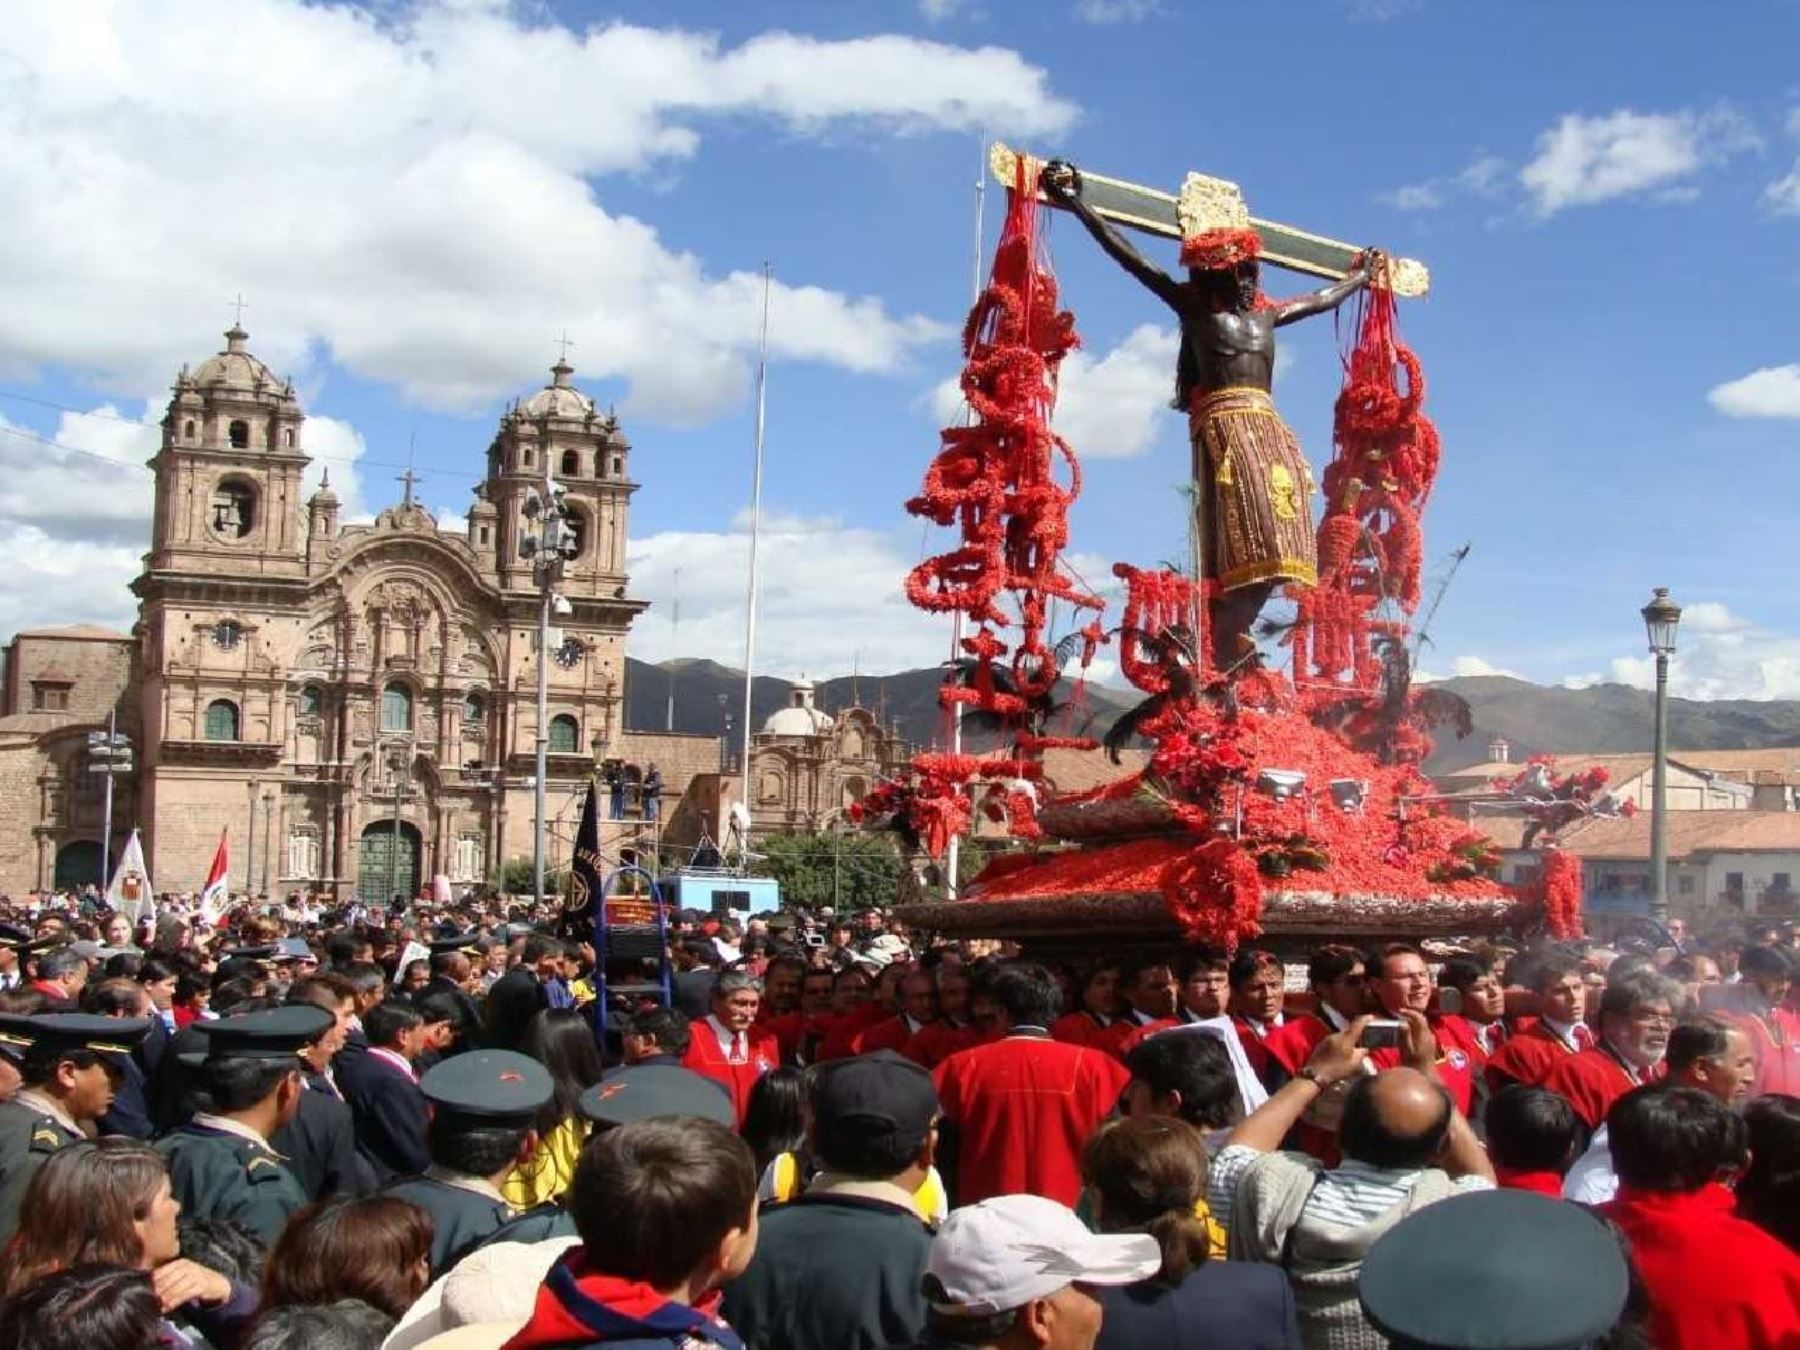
<point>456,942</point>
<point>16,1036</point>
<point>1495,1270</point>
<point>279,1033</point>
<point>293,949</point>
<point>262,951</point>
<point>489,1087</point>
<point>15,938</point>
<point>111,1038</point>
<point>646,1091</point>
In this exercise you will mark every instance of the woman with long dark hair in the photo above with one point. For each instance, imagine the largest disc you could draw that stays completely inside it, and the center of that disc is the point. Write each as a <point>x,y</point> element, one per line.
<point>108,1202</point>
<point>1147,1175</point>
<point>1768,1193</point>
<point>375,1249</point>
<point>775,1120</point>
<point>562,1040</point>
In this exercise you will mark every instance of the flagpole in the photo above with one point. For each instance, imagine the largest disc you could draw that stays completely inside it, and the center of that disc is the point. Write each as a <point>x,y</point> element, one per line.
<point>953,860</point>
<point>756,481</point>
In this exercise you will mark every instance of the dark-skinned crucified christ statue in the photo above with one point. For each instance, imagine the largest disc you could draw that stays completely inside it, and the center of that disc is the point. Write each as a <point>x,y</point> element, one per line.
<point>1252,484</point>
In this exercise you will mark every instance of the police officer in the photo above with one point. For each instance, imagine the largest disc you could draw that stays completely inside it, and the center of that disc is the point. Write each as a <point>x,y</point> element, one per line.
<point>70,1066</point>
<point>484,1105</point>
<point>220,1163</point>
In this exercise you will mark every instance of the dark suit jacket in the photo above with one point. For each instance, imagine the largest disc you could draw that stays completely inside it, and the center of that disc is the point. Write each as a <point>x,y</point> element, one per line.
<point>319,1144</point>
<point>514,1000</point>
<point>1221,1305</point>
<point>130,1111</point>
<point>388,1111</point>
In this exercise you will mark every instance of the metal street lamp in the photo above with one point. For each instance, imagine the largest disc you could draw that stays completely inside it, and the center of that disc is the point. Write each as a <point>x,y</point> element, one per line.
<point>1661,617</point>
<point>547,541</point>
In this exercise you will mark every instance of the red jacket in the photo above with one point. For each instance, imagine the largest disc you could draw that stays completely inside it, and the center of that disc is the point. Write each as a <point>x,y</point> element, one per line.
<point>937,1042</point>
<point>1080,1027</point>
<point>1593,1081</point>
<point>845,1039</point>
<point>1460,1058</point>
<point>1715,1282</point>
<point>706,1056</point>
<point>1527,1057</point>
<point>1777,1064</point>
<point>1023,1108</point>
<point>896,1033</point>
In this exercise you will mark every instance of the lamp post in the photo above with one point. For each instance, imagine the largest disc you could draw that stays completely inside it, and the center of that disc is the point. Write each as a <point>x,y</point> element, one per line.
<point>109,755</point>
<point>547,542</point>
<point>268,838</point>
<point>250,852</point>
<point>1661,616</point>
<point>399,771</point>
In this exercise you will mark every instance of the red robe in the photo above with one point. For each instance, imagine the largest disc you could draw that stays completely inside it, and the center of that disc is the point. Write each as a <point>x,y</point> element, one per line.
<point>1777,1064</point>
<point>1538,1183</point>
<point>1081,1027</point>
<point>937,1042</point>
<point>1592,1081</point>
<point>1460,1058</point>
<point>787,1029</point>
<point>1256,1044</point>
<point>895,1033</point>
<point>1527,1057</point>
<point>1715,1282</point>
<point>845,1039</point>
<point>706,1056</point>
<point>1291,1044</point>
<point>1023,1108</point>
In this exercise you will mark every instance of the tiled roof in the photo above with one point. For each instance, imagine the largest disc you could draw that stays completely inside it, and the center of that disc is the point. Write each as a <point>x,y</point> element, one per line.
<point>1690,832</point>
<point>78,630</point>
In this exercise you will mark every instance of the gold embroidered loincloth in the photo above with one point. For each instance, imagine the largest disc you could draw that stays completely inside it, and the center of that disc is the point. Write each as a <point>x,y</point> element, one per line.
<point>1258,490</point>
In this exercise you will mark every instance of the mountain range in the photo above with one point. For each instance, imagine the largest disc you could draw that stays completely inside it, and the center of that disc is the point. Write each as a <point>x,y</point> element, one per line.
<point>1532,718</point>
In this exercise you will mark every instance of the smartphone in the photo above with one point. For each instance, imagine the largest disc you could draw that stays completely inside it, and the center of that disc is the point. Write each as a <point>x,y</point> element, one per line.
<point>1382,1034</point>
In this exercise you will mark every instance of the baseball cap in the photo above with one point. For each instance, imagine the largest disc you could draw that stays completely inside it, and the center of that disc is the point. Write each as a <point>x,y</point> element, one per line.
<point>1006,1251</point>
<point>880,1102</point>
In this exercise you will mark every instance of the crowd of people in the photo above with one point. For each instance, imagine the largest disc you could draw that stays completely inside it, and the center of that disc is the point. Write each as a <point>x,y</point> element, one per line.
<point>340,1131</point>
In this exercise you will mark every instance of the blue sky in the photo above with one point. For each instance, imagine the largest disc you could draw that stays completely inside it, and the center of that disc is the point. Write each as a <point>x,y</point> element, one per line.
<point>416,199</point>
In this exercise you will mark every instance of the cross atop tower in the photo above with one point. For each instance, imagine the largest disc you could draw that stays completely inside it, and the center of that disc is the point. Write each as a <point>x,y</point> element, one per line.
<point>563,344</point>
<point>409,478</point>
<point>238,307</point>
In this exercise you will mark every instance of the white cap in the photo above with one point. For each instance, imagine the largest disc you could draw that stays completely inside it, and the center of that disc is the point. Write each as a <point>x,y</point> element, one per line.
<point>1004,1252</point>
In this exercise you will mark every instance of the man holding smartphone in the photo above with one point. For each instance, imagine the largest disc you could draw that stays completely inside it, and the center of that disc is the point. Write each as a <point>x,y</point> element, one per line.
<point>1400,983</point>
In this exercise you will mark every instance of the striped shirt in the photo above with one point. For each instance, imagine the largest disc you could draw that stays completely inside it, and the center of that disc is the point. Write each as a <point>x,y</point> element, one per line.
<point>1348,1196</point>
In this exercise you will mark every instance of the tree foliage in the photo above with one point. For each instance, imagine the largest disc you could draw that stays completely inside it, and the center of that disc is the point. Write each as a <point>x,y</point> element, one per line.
<point>848,871</point>
<point>514,877</point>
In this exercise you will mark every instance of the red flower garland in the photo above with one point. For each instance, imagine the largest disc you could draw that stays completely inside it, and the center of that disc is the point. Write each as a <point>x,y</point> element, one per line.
<point>1561,888</point>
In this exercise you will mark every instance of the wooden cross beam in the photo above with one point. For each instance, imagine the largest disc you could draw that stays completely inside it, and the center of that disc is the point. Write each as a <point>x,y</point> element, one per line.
<point>1155,212</point>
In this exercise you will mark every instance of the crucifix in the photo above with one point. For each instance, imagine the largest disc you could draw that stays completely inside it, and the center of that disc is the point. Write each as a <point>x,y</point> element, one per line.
<point>563,344</point>
<point>239,305</point>
<point>409,478</point>
<point>1252,524</point>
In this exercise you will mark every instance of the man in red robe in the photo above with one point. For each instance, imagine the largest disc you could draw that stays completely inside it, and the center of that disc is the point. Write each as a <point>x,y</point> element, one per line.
<point>953,1030</point>
<point>1714,1280</point>
<point>1149,994</point>
<point>1018,1111</point>
<point>727,1045</point>
<point>854,1009</point>
<point>1559,1031</point>
<point>779,1013</point>
<point>1099,1008</point>
<point>1258,991</point>
<point>1637,1013</point>
<point>918,1010</point>
<point>1399,982</point>
<point>1339,979</point>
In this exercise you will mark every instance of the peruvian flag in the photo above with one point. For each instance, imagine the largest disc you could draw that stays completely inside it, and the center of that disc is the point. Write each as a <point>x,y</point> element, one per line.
<point>214,896</point>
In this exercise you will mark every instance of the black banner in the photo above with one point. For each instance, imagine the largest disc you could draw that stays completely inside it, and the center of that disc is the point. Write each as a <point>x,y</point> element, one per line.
<point>587,876</point>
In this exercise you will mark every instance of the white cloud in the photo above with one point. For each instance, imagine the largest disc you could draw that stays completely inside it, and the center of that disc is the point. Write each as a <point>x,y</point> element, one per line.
<point>1584,160</point>
<point>1772,391</point>
<point>1719,655</point>
<point>1465,667</point>
<point>1116,11</point>
<point>1481,177</point>
<point>1107,407</point>
<point>1783,195</point>
<point>407,186</point>
<point>813,617</point>
<point>937,11</point>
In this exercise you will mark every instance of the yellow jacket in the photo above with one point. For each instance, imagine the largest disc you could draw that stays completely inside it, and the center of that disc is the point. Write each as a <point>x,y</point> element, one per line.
<point>547,1173</point>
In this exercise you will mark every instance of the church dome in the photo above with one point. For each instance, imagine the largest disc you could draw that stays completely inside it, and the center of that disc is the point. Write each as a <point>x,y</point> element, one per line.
<point>559,398</point>
<point>799,718</point>
<point>235,367</point>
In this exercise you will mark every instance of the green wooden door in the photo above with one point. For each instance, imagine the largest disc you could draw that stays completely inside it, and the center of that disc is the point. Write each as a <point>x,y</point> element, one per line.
<point>380,873</point>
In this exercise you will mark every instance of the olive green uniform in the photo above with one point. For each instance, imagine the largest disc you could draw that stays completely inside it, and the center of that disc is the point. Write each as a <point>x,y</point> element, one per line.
<point>217,1175</point>
<point>27,1137</point>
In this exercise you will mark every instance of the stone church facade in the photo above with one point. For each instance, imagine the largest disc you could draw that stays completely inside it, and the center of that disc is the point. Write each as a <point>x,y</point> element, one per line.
<point>356,704</point>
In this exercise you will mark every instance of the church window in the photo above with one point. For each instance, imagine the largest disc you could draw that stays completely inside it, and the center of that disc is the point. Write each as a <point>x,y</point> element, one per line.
<point>287,438</point>
<point>618,466</point>
<point>187,430</point>
<point>474,708</point>
<point>575,531</point>
<point>49,697</point>
<point>468,865</point>
<point>233,509</point>
<point>312,702</point>
<point>221,720</point>
<point>565,735</point>
<point>484,535</point>
<point>238,433</point>
<point>303,854</point>
<point>528,459</point>
<point>571,464</point>
<point>226,634</point>
<point>396,708</point>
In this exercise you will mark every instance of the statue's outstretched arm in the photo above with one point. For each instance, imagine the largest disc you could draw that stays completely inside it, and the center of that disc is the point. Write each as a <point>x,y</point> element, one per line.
<point>1062,184</point>
<point>1328,297</point>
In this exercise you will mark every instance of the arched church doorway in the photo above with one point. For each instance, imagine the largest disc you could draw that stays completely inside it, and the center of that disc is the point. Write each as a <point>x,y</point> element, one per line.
<point>79,864</point>
<point>388,865</point>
